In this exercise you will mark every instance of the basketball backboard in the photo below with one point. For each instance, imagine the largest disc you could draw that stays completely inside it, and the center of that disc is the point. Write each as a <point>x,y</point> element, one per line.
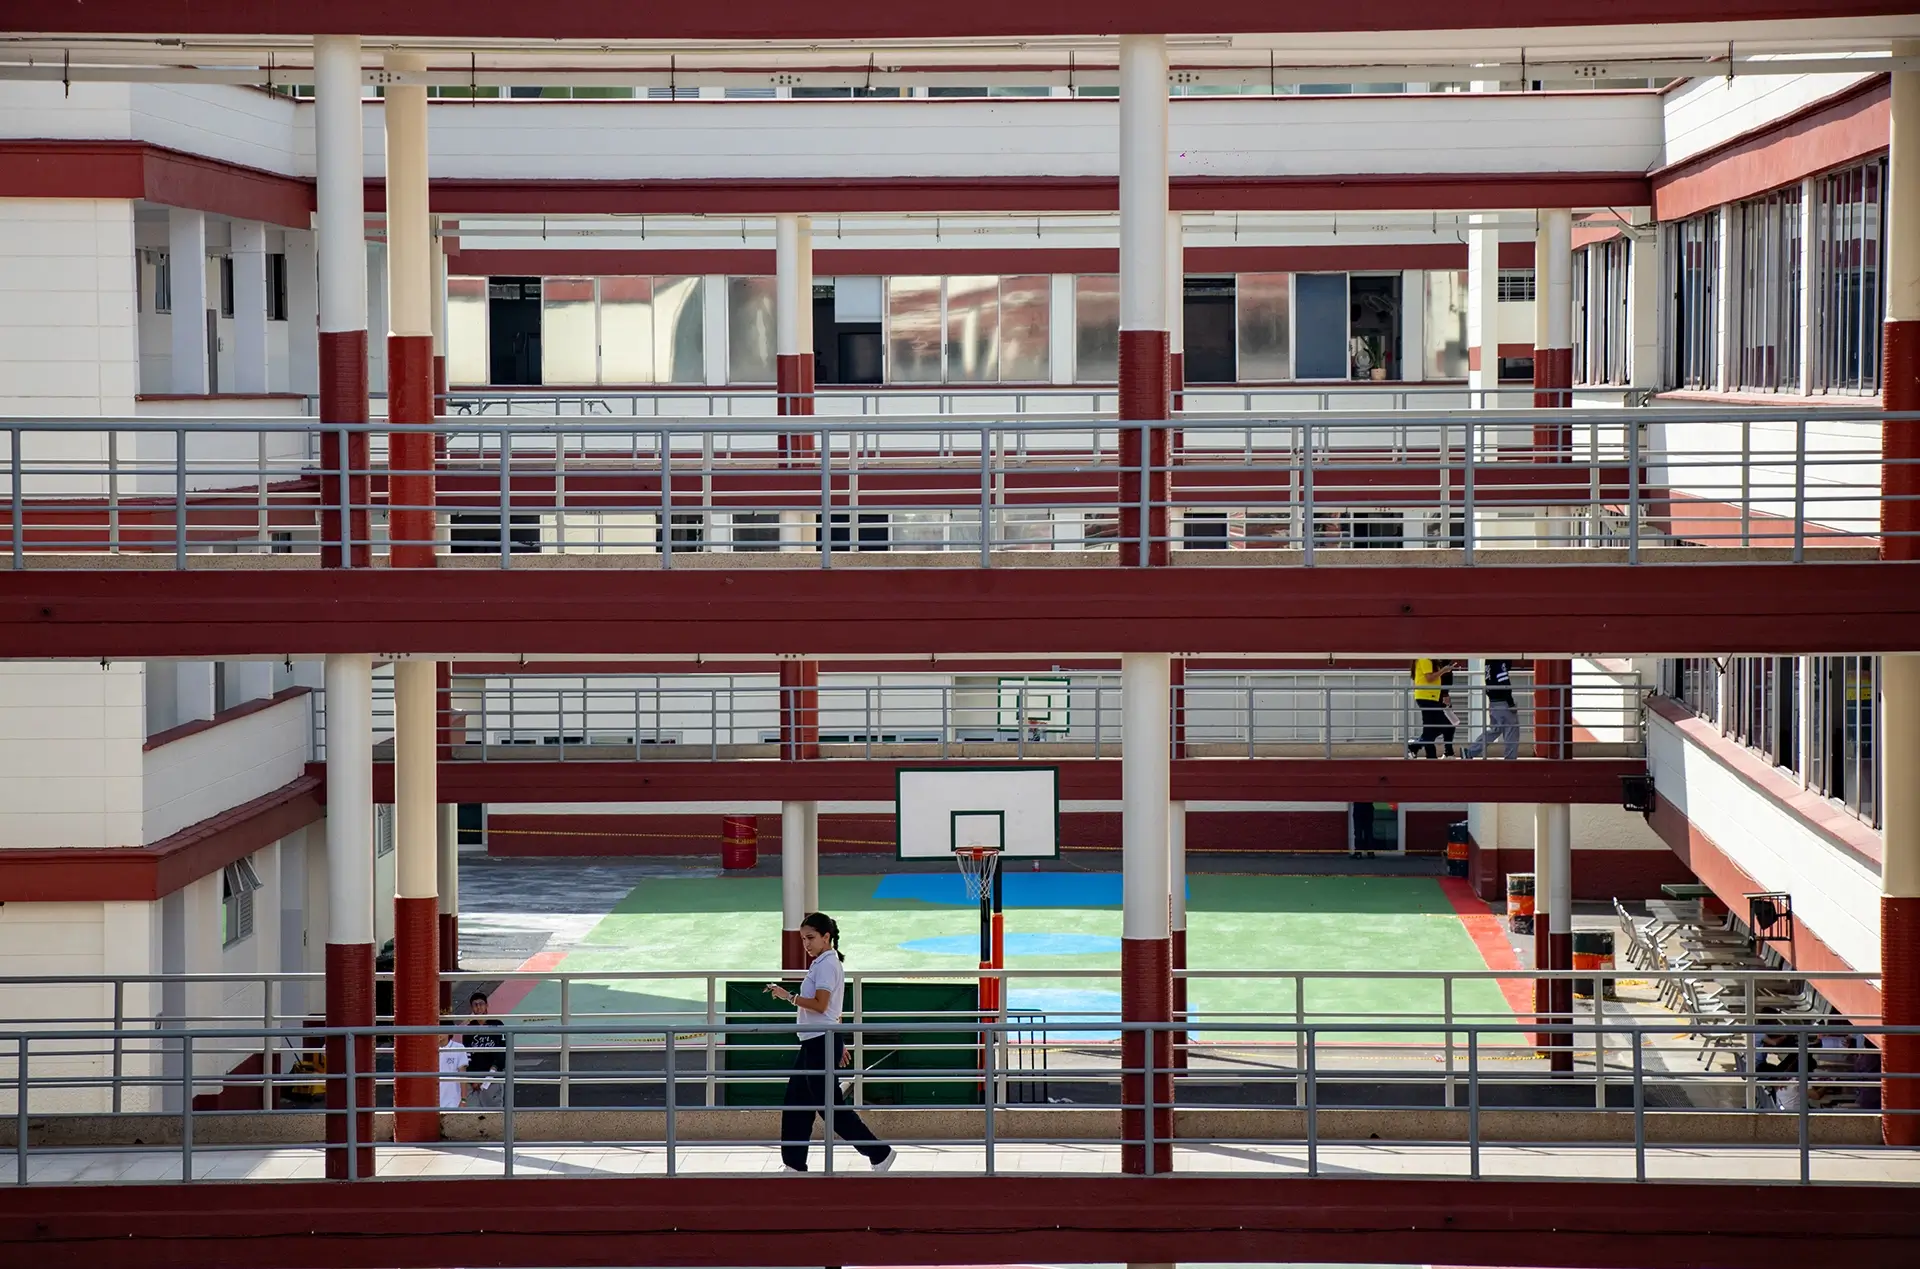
<point>938,810</point>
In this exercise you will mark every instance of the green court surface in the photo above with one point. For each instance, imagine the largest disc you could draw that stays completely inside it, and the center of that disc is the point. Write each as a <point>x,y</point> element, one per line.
<point>1239,923</point>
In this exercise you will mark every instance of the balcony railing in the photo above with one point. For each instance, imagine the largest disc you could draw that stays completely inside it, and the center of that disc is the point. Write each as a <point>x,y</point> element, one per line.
<point>1466,488</point>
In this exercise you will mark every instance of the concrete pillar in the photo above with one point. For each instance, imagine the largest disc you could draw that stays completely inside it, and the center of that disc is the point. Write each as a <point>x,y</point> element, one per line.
<point>1144,369</point>
<point>1558,921</point>
<point>1483,312</point>
<point>416,918</point>
<point>187,264</point>
<point>1176,313</point>
<point>340,194</point>
<point>410,305</point>
<point>793,328</point>
<point>193,694</point>
<point>799,710</point>
<point>1900,675</point>
<point>1553,323</point>
<point>447,883</point>
<point>349,961</point>
<point>799,876</point>
<point>303,314</point>
<point>249,252</point>
<point>1146,952</point>
<point>438,300</point>
<point>248,681</point>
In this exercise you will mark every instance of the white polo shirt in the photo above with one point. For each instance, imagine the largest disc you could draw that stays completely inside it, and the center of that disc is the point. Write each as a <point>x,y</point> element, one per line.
<point>825,974</point>
<point>453,1060</point>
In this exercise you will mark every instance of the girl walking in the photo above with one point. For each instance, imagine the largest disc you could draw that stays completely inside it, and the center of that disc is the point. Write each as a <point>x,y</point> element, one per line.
<point>815,1072</point>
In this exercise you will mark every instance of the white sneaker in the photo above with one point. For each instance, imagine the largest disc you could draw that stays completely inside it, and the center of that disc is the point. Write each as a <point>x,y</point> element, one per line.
<point>887,1162</point>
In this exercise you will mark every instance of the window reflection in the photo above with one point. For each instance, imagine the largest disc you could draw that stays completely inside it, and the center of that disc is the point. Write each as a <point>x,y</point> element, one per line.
<point>568,338</point>
<point>913,330</point>
<point>1096,328</point>
<point>750,332</point>
<point>467,331</point>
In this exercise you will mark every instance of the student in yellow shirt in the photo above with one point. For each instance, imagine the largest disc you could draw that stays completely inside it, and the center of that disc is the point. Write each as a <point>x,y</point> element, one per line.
<point>1428,692</point>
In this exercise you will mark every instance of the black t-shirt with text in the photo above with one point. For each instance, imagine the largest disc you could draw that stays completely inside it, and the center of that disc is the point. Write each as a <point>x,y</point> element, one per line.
<point>486,1048</point>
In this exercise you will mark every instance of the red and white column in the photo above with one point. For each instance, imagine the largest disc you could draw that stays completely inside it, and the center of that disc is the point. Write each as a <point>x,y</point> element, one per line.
<point>1176,313</point>
<point>349,960</point>
<point>416,917</point>
<point>341,245</point>
<point>447,884</point>
<point>1483,314</point>
<point>410,304</point>
<point>1146,920</point>
<point>1553,353</point>
<point>793,329</point>
<point>1553,925</point>
<point>1900,675</point>
<point>1177,854</point>
<point>439,300</point>
<point>1145,382</point>
<point>799,821</point>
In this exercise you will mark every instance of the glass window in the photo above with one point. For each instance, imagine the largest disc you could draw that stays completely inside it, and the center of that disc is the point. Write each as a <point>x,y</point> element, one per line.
<point>626,331</point>
<point>1849,221</point>
<point>750,333</point>
<point>913,330</point>
<point>1445,356</point>
<point>569,344</point>
<point>1026,331</point>
<point>1320,327</point>
<point>679,330</point>
<point>1264,315</point>
<point>1096,328</point>
<point>1693,324</point>
<point>466,330</point>
<point>973,330</point>
<point>1603,316</point>
<point>1769,354</point>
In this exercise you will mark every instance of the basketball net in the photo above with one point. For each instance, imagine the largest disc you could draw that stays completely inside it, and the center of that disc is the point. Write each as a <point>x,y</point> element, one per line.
<point>977,864</point>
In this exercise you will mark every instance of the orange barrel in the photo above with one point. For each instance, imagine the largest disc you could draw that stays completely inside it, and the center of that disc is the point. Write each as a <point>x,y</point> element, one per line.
<point>1520,902</point>
<point>739,842</point>
<point>1592,949</point>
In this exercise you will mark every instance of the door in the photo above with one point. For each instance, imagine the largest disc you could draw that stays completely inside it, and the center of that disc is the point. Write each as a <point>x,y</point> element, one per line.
<point>513,332</point>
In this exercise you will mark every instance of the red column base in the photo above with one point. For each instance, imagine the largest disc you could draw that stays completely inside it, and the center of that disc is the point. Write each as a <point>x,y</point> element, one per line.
<point>1900,443</point>
<point>1145,374</point>
<point>346,481</point>
<point>416,1003</point>
<point>1542,959</point>
<point>792,955</point>
<point>1146,995</point>
<point>1900,1007</point>
<point>410,500</point>
<point>1560,999</point>
<point>350,1004</point>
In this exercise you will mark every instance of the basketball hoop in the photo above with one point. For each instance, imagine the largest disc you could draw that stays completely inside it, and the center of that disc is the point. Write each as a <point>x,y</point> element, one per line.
<point>977,864</point>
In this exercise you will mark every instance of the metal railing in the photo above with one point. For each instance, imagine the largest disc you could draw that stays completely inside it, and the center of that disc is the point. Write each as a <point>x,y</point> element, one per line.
<point>1298,714</point>
<point>569,1030</point>
<point>1313,488</point>
<point>1273,1094</point>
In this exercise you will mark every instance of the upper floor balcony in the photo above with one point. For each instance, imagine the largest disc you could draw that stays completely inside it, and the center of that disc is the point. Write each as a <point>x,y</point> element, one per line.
<point>989,490</point>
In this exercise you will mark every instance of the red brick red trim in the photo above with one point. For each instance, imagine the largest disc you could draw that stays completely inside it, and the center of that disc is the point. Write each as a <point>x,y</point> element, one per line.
<point>87,874</point>
<point>199,725</point>
<point>1847,126</point>
<point>139,169</point>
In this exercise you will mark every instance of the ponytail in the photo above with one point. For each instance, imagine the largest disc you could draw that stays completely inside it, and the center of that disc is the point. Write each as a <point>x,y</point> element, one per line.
<point>821,923</point>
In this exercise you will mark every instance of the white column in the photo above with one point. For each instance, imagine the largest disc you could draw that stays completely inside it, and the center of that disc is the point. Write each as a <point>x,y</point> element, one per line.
<point>1726,298</point>
<point>810,859</point>
<point>714,351</point>
<point>1559,891</point>
<point>447,838</point>
<point>1413,325</point>
<point>1143,183</point>
<point>1643,304</point>
<point>1061,333</point>
<point>437,295</point>
<point>1177,867</point>
<point>1483,310</point>
<point>415,781</point>
<point>340,175</point>
<point>303,314</point>
<point>249,252</point>
<point>1176,262</point>
<point>349,679</point>
<point>1556,242</point>
<point>409,227</point>
<point>788,269</point>
<point>187,264</point>
<point>1145,757</point>
<point>193,691</point>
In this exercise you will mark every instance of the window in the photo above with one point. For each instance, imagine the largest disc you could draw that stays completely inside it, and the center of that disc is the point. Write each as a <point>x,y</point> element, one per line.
<point>1096,328</point>
<point>1204,531</point>
<point>1843,722</point>
<point>984,329</point>
<point>1769,316</point>
<point>383,817</point>
<point>756,530</point>
<point>1763,695</point>
<point>1693,325</point>
<point>1849,222</point>
<point>162,282</point>
<point>1516,286</point>
<point>277,287</point>
<point>750,333</point>
<point>226,286</point>
<point>622,331</point>
<point>1602,274</point>
<point>238,881</point>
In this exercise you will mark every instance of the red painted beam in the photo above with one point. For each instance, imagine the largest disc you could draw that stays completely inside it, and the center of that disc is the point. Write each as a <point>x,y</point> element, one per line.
<point>1582,780</point>
<point>879,19</point>
<point>916,1220</point>
<point>1396,610</point>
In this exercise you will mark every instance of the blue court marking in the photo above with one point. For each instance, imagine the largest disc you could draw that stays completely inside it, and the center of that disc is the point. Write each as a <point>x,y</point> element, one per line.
<point>1020,889</point>
<point>1066,1004</point>
<point>1018,945</point>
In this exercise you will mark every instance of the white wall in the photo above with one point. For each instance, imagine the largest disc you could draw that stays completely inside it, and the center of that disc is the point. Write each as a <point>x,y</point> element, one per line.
<point>70,753</point>
<point>67,340</point>
<point>1835,893</point>
<point>198,776</point>
<point>1710,112</point>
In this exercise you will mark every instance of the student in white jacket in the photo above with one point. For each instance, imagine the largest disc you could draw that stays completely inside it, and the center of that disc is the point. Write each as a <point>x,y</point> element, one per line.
<point>818,1006</point>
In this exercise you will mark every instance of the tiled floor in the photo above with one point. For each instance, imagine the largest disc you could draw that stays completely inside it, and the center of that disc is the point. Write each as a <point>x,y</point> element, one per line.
<point>1369,1160</point>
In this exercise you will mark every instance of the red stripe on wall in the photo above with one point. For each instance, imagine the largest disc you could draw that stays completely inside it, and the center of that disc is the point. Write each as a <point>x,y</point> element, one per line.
<point>1847,126</point>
